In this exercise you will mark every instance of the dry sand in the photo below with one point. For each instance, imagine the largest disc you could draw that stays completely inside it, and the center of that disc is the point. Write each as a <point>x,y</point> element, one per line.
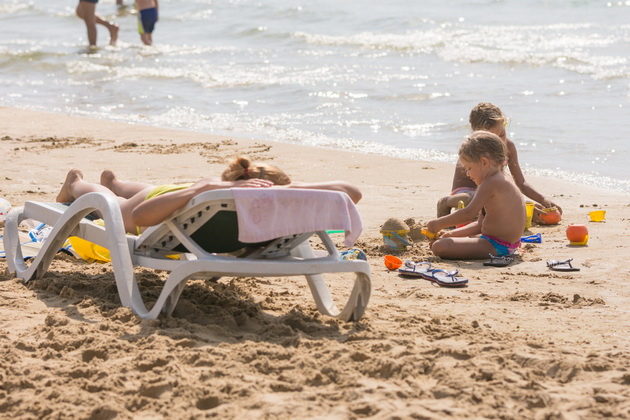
<point>521,342</point>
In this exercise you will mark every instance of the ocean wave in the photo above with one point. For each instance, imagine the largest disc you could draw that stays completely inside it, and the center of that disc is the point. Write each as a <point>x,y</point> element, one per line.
<point>28,53</point>
<point>14,7</point>
<point>591,179</point>
<point>576,47</point>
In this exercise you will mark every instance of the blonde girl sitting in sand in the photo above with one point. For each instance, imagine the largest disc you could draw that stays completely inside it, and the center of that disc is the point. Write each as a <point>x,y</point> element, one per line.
<point>488,117</point>
<point>498,205</point>
<point>144,205</point>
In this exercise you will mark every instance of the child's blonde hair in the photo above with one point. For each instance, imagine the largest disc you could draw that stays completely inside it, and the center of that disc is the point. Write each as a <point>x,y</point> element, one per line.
<point>485,116</point>
<point>484,144</point>
<point>243,168</point>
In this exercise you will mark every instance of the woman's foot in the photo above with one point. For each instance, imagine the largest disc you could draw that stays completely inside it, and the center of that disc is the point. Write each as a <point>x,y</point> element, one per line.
<point>65,195</point>
<point>108,178</point>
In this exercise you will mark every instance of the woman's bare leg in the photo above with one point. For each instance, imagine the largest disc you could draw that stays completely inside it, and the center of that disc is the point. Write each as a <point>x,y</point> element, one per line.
<point>125,189</point>
<point>74,187</point>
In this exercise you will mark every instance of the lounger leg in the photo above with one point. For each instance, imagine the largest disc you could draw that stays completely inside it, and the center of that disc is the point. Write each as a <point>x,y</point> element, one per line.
<point>359,297</point>
<point>67,224</point>
<point>11,239</point>
<point>46,254</point>
<point>173,298</point>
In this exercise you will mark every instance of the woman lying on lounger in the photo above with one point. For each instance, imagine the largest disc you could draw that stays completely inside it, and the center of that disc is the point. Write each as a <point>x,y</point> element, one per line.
<point>143,204</point>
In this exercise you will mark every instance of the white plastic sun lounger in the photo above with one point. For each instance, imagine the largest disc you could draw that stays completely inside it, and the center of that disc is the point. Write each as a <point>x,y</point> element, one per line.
<point>204,234</point>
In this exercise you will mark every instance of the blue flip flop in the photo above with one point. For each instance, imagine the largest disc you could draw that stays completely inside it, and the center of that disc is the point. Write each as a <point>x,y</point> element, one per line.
<point>415,269</point>
<point>445,278</point>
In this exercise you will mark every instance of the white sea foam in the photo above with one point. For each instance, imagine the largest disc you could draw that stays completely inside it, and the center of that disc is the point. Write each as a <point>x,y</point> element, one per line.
<point>561,45</point>
<point>12,8</point>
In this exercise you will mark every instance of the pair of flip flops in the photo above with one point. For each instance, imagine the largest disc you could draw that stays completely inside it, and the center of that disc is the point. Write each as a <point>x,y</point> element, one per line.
<point>499,261</point>
<point>562,265</point>
<point>437,275</point>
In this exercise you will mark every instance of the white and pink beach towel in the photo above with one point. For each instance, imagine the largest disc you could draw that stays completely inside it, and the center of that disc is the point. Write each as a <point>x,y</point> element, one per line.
<point>268,213</point>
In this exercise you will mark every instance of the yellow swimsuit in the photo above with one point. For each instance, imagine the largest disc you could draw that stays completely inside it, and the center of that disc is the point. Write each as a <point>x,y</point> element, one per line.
<point>164,189</point>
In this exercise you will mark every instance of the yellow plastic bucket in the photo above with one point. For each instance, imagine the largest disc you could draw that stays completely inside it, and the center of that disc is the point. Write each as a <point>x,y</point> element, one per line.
<point>597,215</point>
<point>529,214</point>
<point>396,239</point>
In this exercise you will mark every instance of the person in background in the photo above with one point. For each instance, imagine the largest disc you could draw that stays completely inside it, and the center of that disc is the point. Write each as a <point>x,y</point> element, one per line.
<point>147,17</point>
<point>86,10</point>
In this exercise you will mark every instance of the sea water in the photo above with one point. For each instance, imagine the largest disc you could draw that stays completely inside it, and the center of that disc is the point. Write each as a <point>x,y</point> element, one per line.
<point>393,78</point>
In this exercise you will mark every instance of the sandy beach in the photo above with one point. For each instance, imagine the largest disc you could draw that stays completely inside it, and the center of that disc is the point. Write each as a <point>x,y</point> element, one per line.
<point>521,342</point>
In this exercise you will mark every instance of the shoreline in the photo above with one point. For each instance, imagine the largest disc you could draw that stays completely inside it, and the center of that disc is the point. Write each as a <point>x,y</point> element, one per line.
<point>587,180</point>
<point>133,139</point>
<point>519,342</point>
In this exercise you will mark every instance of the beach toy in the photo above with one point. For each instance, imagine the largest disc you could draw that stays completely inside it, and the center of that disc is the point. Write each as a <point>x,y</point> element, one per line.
<point>335,231</point>
<point>550,216</point>
<point>392,262</point>
<point>529,213</point>
<point>353,254</point>
<point>532,239</point>
<point>89,251</point>
<point>577,234</point>
<point>428,234</point>
<point>396,239</point>
<point>395,234</point>
<point>5,207</point>
<point>597,215</point>
<point>40,232</point>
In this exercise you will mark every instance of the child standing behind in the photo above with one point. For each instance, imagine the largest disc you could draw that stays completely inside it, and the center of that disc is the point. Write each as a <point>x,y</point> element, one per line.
<point>498,204</point>
<point>147,17</point>
<point>488,117</point>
